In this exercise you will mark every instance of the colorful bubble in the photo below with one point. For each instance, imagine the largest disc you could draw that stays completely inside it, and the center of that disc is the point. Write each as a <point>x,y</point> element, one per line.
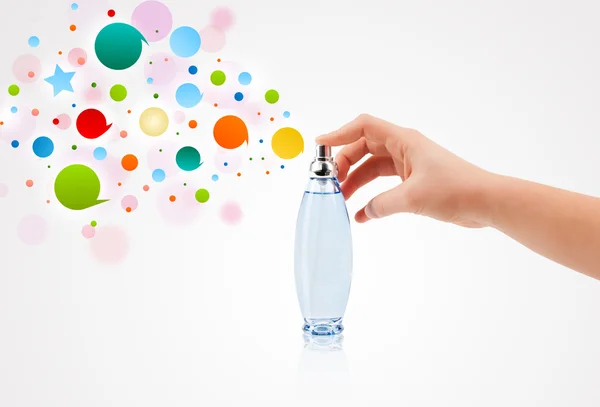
<point>158,175</point>
<point>35,112</point>
<point>179,117</point>
<point>32,230</point>
<point>231,213</point>
<point>188,95</point>
<point>74,6</point>
<point>3,190</point>
<point>286,114</point>
<point>218,78</point>
<point>92,94</point>
<point>33,41</point>
<point>100,153</point>
<point>64,121</point>
<point>188,159</point>
<point>153,19</point>
<point>213,39</point>
<point>146,188</point>
<point>244,78</point>
<point>193,70</point>
<point>14,110</point>
<point>13,90</point>
<point>91,124</point>
<point>129,162</point>
<point>272,96</point>
<point>202,195</point>
<point>118,46</point>
<point>123,134</point>
<point>161,67</point>
<point>77,57</point>
<point>185,42</point>
<point>239,96</point>
<point>43,147</point>
<point>29,183</point>
<point>129,201</point>
<point>215,177</point>
<point>287,143</point>
<point>150,81</point>
<point>230,132</point>
<point>88,231</point>
<point>27,68</point>
<point>110,245</point>
<point>77,187</point>
<point>227,161</point>
<point>154,121</point>
<point>222,17</point>
<point>193,124</point>
<point>118,93</point>
<point>14,143</point>
<point>111,13</point>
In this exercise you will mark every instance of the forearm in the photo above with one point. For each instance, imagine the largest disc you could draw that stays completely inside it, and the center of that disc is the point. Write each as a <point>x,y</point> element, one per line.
<point>561,225</point>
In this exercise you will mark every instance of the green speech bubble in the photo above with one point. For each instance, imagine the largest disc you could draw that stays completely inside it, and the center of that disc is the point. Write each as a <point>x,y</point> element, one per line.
<point>119,46</point>
<point>77,187</point>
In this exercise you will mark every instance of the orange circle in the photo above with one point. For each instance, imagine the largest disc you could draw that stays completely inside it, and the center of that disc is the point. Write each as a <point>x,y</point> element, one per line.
<point>1,123</point>
<point>73,27</point>
<point>129,111</point>
<point>29,183</point>
<point>219,60</point>
<point>258,113</point>
<point>268,172</point>
<point>81,61</point>
<point>230,132</point>
<point>239,174</point>
<point>272,118</point>
<point>47,201</point>
<point>35,112</point>
<point>166,59</point>
<point>31,74</point>
<point>172,198</point>
<point>216,105</point>
<point>119,184</point>
<point>128,209</point>
<point>129,162</point>
<point>59,52</point>
<point>146,188</point>
<point>123,134</point>
<point>193,124</point>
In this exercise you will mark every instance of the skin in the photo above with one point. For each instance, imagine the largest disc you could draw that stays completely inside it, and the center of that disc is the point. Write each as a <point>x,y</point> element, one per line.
<point>561,225</point>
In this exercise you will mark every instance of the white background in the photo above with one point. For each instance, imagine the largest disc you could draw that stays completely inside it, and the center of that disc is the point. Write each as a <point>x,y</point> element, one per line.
<point>207,314</point>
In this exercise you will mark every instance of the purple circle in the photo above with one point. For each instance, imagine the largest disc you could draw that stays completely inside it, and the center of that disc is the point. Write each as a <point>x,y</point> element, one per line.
<point>153,19</point>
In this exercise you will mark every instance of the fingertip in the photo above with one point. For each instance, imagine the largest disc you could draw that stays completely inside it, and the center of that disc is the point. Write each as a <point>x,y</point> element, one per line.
<point>361,216</point>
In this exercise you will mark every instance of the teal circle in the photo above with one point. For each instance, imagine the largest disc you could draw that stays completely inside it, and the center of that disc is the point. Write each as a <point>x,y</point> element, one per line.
<point>119,46</point>
<point>188,159</point>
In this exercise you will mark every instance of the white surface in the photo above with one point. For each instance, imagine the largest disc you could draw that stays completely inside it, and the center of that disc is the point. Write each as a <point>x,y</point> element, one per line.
<point>438,315</point>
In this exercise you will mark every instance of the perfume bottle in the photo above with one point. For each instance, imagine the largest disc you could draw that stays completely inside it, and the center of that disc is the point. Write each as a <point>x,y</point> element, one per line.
<point>323,249</point>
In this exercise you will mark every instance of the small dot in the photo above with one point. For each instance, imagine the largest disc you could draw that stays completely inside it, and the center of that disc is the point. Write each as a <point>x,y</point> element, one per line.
<point>55,122</point>
<point>29,183</point>
<point>146,188</point>
<point>177,133</point>
<point>81,61</point>
<point>282,167</point>
<point>59,52</point>
<point>129,112</point>
<point>166,59</point>
<point>111,13</point>
<point>119,184</point>
<point>47,201</point>
<point>128,209</point>
<point>272,118</point>
<point>156,96</point>
<point>49,167</point>
<point>193,70</point>
<point>14,144</point>
<point>172,198</point>
<point>1,123</point>
<point>261,141</point>
<point>150,81</point>
<point>216,105</point>
<point>123,134</point>
<point>156,31</point>
<point>258,113</point>
<point>73,147</point>
<point>14,109</point>
<point>185,184</point>
<point>239,174</point>
<point>238,96</point>
<point>73,105</point>
<point>93,223</point>
<point>215,177</point>
<point>74,6</point>
<point>150,62</point>
<point>250,158</point>
<point>94,84</point>
<point>225,164</point>
<point>268,172</point>
<point>219,60</point>
<point>193,124</point>
<point>73,27</point>
<point>286,114</point>
<point>31,74</point>
<point>263,158</point>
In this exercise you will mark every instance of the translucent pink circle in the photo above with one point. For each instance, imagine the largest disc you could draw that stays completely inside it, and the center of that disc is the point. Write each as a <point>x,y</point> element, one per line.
<point>179,117</point>
<point>162,70</point>
<point>76,55</point>
<point>64,121</point>
<point>164,160</point>
<point>3,190</point>
<point>25,64</point>
<point>150,17</point>
<point>35,112</point>
<point>88,231</point>
<point>129,201</point>
<point>110,245</point>
<point>146,188</point>
<point>213,39</point>
<point>32,230</point>
<point>92,94</point>
<point>221,17</point>
<point>123,134</point>
<point>185,208</point>
<point>21,127</point>
<point>231,213</point>
<point>232,158</point>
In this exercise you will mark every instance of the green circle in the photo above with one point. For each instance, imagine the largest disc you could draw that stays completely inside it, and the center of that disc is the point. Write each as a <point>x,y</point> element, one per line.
<point>272,96</point>
<point>94,223</point>
<point>156,96</point>
<point>118,93</point>
<point>263,158</point>
<point>13,90</point>
<point>73,147</point>
<point>202,195</point>
<point>94,84</point>
<point>217,78</point>
<point>250,158</point>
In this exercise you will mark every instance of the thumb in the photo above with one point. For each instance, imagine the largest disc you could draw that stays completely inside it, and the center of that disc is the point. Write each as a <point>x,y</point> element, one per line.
<point>396,200</point>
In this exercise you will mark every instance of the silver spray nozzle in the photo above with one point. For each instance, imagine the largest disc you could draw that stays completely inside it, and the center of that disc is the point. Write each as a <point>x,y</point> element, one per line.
<point>323,165</point>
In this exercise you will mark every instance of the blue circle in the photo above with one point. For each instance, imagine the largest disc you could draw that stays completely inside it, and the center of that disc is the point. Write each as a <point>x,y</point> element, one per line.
<point>260,141</point>
<point>14,109</point>
<point>74,105</point>
<point>33,41</point>
<point>215,177</point>
<point>74,6</point>
<point>282,166</point>
<point>245,78</point>
<point>238,96</point>
<point>14,143</point>
<point>225,164</point>
<point>188,95</point>
<point>158,175</point>
<point>150,81</point>
<point>100,153</point>
<point>286,114</point>
<point>185,42</point>
<point>43,147</point>
<point>193,69</point>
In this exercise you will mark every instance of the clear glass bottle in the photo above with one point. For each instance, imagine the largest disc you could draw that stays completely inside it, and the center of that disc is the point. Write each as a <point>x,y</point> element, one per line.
<point>323,249</point>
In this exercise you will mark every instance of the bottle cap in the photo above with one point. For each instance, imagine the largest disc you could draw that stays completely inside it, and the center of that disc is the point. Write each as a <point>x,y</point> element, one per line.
<point>323,165</point>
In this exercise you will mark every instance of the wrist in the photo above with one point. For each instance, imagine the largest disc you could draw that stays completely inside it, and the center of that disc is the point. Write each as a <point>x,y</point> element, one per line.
<point>494,192</point>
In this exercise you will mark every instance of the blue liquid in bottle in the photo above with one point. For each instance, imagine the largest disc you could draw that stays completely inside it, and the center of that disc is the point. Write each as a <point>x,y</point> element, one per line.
<point>323,255</point>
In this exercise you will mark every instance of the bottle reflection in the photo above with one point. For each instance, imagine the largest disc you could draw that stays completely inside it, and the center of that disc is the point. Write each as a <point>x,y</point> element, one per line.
<point>323,372</point>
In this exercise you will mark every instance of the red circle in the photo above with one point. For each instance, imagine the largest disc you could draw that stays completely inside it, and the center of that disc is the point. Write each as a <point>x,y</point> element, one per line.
<point>111,13</point>
<point>55,122</point>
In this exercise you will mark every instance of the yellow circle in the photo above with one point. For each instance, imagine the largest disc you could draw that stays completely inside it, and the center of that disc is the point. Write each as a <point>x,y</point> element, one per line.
<point>287,143</point>
<point>154,121</point>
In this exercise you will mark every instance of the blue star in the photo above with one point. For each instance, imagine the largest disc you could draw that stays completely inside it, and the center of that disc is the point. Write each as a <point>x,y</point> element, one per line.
<point>61,80</point>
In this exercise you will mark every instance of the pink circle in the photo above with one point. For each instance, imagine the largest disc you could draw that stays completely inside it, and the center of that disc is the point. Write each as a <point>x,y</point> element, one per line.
<point>221,17</point>
<point>123,134</point>
<point>129,201</point>
<point>26,64</point>
<point>88,231</point>
<point>213,39</point>
<point>110,245</point>
<point>153,19</point>
<point>35,112</point>
<point>92,94</point>
<point>179,117</point>
<point>146,188</point>
<point>162,70</point>
<point>3,190</point>
<point>32,230</point>
<point>29,183</point>
<point>64,121</point>
<point>231,213</point>
<point>77,57</point>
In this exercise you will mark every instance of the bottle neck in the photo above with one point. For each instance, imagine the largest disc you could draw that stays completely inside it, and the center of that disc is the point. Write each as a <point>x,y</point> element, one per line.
<point>323,185</point>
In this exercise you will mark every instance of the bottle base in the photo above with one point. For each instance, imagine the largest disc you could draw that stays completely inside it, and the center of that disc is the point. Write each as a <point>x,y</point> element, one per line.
<point>323,326</point>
